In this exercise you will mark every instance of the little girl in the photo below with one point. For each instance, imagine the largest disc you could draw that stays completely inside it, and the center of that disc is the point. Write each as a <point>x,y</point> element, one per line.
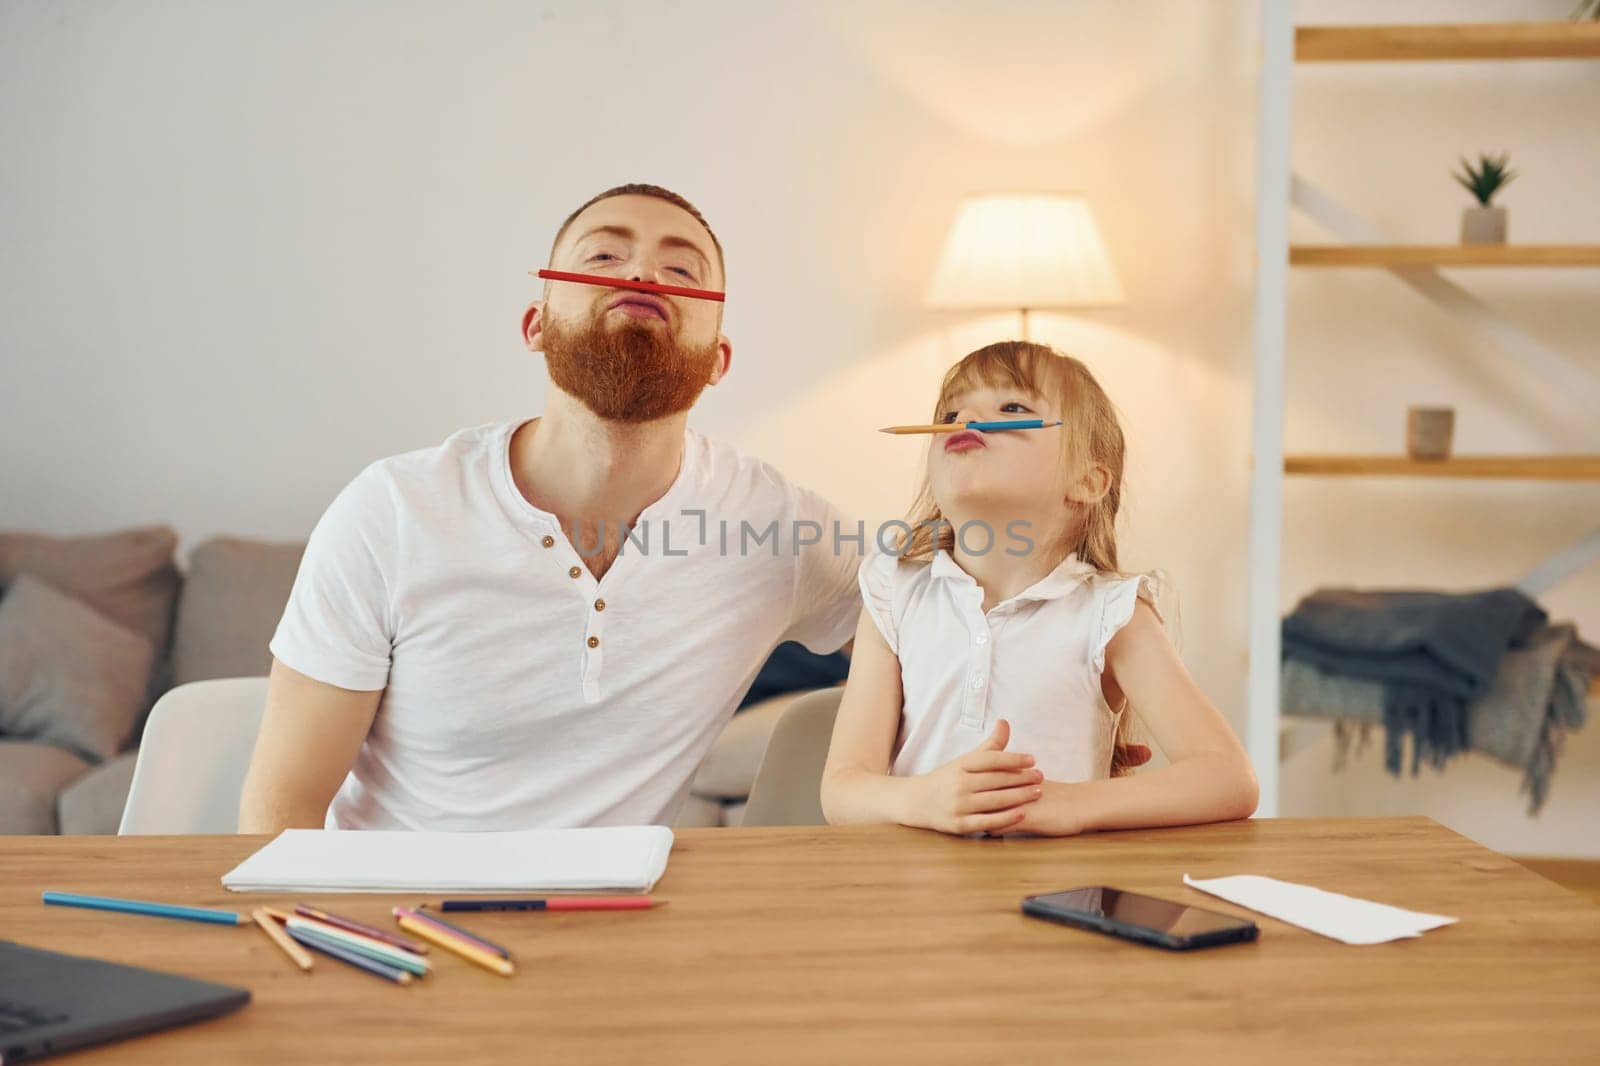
<point>999,647</point>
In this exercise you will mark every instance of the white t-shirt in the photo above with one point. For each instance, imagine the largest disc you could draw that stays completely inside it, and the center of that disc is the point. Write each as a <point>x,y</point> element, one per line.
<point>519,692</point>
<point>1034,660</point>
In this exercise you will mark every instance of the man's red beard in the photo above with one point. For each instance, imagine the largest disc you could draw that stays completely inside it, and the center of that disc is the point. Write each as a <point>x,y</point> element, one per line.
<point>630,373</point>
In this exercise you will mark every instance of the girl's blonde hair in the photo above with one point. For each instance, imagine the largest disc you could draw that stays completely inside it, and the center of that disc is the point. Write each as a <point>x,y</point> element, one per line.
<point>1091,436</point>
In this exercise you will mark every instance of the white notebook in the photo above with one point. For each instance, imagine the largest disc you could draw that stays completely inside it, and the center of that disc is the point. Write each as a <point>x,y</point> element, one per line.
<point>609,859</point>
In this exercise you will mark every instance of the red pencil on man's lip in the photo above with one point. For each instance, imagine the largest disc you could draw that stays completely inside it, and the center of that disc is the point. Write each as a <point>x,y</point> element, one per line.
<point>624,283</point>
<point>554,903</point>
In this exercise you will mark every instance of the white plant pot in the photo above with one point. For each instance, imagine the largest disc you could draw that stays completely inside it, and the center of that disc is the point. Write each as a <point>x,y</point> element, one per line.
<point>1483,225</point>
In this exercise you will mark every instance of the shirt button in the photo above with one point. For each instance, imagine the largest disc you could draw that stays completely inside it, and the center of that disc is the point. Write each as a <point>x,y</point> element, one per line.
<point>594,642</point>
<point>977,682</point>
<point>982,638</point>
<point>599,605</point>
<point>548,542</point>
<point>574,572</point>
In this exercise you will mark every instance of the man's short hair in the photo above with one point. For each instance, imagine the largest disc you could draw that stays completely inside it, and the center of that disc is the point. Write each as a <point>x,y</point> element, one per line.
<point>641,189</point>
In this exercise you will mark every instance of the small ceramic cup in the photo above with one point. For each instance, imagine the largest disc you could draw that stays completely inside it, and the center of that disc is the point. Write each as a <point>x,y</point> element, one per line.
<point>1429,431</point>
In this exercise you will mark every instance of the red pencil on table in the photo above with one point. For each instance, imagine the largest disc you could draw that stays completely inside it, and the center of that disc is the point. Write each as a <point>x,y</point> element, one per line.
<point>624,283</point>
<point>555,903</point>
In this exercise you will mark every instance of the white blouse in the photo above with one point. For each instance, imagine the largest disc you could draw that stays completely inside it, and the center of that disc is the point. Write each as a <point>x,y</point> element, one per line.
<point>1034,660</point>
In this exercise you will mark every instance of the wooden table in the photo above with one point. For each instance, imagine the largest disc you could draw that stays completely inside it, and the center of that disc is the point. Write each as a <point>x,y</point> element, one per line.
<point>881,945</point>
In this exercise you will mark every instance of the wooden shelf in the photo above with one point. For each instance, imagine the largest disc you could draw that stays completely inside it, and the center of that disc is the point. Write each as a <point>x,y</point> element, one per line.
<point>1445,255</point>
<point>1506,467</point>
<point>1483,40</point>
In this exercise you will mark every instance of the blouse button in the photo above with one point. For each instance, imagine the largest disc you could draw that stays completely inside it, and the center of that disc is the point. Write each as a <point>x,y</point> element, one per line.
<point>599,605</point>
<point>574,572</point>
<point>548,542</point>
<point>983,638</point>
<point>594,642</point>
<point>977,682</point>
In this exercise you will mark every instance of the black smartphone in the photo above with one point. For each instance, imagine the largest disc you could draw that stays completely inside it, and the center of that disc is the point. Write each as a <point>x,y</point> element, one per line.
<point>1143,919</point>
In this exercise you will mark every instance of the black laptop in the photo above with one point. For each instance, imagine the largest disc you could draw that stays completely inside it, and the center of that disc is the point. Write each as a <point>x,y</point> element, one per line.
<point>51,1002</point>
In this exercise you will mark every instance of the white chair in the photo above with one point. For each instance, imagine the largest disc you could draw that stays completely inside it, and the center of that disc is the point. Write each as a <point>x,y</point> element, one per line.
<point>193,757</point>
<point>788,787</point>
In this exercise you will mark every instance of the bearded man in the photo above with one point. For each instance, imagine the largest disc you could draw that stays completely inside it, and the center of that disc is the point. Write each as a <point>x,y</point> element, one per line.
<point>547,623</point>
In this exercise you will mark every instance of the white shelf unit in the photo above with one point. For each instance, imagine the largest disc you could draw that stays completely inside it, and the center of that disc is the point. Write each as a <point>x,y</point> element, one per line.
<point>1267,738</point>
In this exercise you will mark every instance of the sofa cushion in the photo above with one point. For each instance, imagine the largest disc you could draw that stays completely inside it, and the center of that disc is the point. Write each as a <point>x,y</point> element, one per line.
<point>30,777</point>
<point>232,600</point>
<point>729,768</point>
<point>130,576</point>
<point>698,812</point>
<point>93,803</point>
<point>68,675</point>
<point>792,667</point>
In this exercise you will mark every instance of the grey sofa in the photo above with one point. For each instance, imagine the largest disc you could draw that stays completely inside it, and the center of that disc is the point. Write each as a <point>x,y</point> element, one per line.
<point>214,619</point>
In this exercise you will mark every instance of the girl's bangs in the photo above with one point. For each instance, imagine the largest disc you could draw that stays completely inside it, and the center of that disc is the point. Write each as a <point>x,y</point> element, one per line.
<point>999,366</point>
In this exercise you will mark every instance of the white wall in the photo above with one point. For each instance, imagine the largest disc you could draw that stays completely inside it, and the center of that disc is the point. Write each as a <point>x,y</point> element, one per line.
<point>252,247</point>
<point>263,244</point>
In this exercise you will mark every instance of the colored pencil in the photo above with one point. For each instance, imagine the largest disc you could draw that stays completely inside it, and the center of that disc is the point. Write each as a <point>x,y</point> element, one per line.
<point>154,910</point>
<point>555,903</point>
<point>981,427</point>
<point>353,926</point>
<point>330,947</point>
<point>296,953</point>
<point>465,934</point>
<point>375,949</point>
<point>411,922</point>
<point>624,283</point>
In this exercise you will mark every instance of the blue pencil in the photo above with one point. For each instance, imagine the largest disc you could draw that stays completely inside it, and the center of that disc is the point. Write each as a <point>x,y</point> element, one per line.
<point>155,910</point>
<point>981,427</point>
<point>329,946</point>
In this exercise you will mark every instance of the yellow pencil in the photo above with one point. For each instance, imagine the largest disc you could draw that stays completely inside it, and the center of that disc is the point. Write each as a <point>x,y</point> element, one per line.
<point>471,952</point>
<point>300,956</point>
<point>943,427</point>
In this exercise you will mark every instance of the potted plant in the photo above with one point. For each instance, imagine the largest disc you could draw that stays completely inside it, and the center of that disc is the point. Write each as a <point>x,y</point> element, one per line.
<point>1484,224</point>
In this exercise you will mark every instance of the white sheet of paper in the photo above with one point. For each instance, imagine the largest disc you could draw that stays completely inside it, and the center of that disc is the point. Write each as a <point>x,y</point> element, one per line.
<point>607,859</point>
<point>1346,918</point>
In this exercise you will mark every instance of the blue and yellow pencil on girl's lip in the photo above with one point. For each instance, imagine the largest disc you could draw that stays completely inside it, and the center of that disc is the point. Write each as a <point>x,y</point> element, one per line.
<point>981,427</point>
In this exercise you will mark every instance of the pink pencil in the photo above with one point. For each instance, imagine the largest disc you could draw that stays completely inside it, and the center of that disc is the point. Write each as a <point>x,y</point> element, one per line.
<point>351,926</point>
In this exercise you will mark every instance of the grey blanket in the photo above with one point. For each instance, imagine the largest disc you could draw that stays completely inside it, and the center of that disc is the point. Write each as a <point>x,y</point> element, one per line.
<point>1437,642</point>
<point>1539,694</point>
<point>1432,651</point>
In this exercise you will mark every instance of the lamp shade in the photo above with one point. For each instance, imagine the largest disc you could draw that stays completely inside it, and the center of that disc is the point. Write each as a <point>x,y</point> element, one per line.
<point>1025,252</point>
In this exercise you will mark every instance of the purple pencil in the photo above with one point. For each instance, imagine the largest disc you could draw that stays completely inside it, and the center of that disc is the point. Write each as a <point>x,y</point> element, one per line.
<point>474,938</point>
